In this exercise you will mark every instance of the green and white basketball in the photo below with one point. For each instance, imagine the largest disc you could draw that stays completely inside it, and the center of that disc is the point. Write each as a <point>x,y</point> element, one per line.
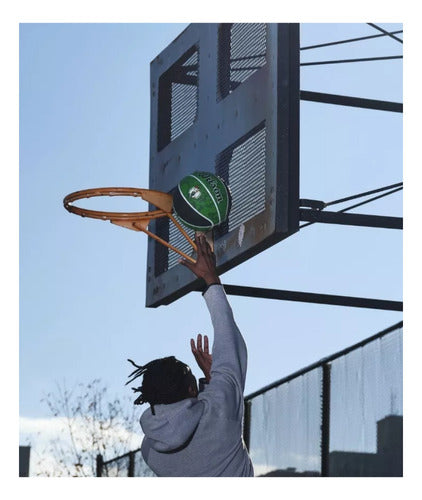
<point>201,201</point>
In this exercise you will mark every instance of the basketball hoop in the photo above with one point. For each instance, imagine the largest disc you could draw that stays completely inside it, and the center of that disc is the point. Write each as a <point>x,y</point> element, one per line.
<point>137,221</point>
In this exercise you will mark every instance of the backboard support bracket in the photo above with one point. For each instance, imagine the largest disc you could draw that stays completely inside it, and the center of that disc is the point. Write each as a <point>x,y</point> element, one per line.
<point>315,298</point>
<point>348,219</point>
<point>355,102</point>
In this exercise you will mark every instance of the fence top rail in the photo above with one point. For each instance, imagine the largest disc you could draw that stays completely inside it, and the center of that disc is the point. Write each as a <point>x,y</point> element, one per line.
<point>120,457</point>
<point>323,361</point>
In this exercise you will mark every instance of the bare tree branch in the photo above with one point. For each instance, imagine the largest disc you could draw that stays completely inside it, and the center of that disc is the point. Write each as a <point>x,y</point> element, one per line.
<point>93,424</point>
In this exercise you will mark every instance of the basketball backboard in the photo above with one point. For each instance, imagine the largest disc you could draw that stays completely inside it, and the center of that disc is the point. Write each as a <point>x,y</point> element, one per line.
<point>225,99</point>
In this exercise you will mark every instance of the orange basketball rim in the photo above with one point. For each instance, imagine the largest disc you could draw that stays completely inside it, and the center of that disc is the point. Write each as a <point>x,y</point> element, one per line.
<point>137,221</point>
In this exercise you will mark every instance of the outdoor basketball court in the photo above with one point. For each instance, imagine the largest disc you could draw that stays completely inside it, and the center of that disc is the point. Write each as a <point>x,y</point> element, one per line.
<point>302,124</point>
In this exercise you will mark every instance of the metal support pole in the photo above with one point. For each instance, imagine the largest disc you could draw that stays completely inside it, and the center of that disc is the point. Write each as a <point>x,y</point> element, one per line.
<point>356,102</point>
<point>131,468</point>
<point>100,464</point>
<point>325,420</point>
<point>316,298</point>
<point>247,424</point>
<point>351,219</point>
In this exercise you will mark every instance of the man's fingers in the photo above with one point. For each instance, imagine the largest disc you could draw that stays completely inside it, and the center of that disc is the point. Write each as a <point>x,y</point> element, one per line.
<point>199,342</point>
<point>206,346</point>
<point>199,240</point>
<point>203,245</point>
<point>196,354</point>
<point>208,248</point>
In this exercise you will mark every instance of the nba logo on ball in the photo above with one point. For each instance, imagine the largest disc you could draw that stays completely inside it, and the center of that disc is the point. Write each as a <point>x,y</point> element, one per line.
<point>201,201</point>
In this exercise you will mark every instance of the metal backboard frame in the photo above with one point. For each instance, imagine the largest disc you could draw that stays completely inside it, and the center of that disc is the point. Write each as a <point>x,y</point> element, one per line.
<point>215,120</point>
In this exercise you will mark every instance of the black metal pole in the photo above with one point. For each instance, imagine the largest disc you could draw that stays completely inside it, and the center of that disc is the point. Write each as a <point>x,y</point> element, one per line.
<point>342,61</point>
<point>350,40</point>
<point>385,32</point>
<point>131,468</point>
<point>100,464</point>
<point>347,219</point>
<point>317,298</point>
<point>325,420</point>
<point>247,424</point>
<point>356,102</point>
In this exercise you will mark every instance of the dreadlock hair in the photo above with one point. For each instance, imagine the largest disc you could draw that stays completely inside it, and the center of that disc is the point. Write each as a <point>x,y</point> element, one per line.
<point>165,381</point>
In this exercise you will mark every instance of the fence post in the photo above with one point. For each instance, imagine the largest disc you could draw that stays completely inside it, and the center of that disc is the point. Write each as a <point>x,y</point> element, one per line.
<point>100,463</point>
<point>325,420</point>
<point>131,468</point>
<point>247,424</point>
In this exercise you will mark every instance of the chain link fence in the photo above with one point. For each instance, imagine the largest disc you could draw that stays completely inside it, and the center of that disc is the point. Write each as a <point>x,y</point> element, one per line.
<point>341,417</point>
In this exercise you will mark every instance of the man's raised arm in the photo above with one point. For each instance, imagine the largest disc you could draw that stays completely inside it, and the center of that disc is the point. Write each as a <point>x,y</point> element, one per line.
<point>229,354</point>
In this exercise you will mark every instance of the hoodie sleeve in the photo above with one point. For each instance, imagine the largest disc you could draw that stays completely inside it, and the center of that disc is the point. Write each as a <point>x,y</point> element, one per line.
<point>229,353</point>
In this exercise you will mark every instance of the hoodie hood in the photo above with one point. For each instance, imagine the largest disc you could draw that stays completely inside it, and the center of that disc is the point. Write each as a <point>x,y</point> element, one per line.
<point>173,424</point>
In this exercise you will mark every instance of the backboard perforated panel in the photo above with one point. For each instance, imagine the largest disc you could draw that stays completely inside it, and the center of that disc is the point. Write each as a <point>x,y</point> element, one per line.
<point>225,99</point>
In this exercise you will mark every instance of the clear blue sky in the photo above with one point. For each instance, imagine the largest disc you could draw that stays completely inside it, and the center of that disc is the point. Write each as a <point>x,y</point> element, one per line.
<point>84,122</point>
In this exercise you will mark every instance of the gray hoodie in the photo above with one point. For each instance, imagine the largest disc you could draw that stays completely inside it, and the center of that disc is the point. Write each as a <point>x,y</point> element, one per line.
<point>203,436</point>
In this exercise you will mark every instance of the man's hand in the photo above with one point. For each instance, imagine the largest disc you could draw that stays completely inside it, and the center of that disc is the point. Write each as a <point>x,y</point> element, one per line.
<point>202,356</point>
<point>205,263</point>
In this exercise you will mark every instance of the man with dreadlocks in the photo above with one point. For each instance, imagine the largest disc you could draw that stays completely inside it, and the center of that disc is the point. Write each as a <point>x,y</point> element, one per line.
<point>198,433</point>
